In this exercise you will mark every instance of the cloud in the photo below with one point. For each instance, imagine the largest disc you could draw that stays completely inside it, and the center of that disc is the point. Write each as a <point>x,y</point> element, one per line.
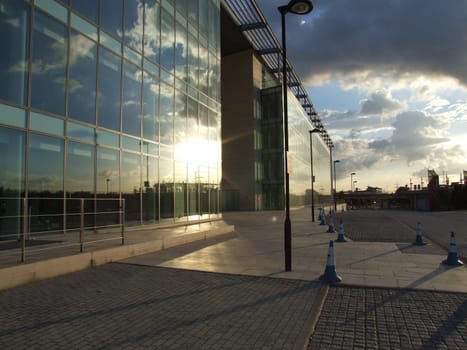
<point>342,37</point>
<point>379,102</point>
<point>414,137</point>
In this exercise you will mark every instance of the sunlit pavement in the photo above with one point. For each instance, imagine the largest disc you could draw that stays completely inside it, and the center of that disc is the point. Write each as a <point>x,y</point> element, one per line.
<point>257,249</point>
<point>393,295</point>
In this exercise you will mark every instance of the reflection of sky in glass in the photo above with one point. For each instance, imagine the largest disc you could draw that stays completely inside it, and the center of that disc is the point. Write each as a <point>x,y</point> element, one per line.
<point>80,168</point>
<point>299,148</point>
<point>48,64</point>
<point>14,27</point>
<point>45,164</point>
<point>12,160</point>
<point>82,78</point>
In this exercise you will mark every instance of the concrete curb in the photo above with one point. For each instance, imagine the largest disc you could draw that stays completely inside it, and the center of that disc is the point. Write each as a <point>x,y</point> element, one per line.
<point>15,276</point>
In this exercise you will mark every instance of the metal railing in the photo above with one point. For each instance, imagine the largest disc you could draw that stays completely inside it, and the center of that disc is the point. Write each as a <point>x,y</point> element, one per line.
<point>39,218</point>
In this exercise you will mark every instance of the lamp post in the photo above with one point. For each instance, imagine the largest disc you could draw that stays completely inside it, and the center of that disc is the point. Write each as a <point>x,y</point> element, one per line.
<point>315,130</point>
<point>298,7</point>
<point>351,181</point>
<point>335,188</point>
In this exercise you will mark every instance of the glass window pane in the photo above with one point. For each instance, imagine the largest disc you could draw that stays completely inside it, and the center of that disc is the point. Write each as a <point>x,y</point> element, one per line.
<point>131,143</point>
<point>109,90</point>
<point>80,170</point>
<point>133,23</point>
<point>131,186</point>
<point>107,180</point>
<point>108,138</point>
<point>192,60</point>
<point>12,116</point>
<point>151,190</point>
<point>84,26</point>
<point>193,10</point>
<point>87,8</point>
<point>82,79</point>
<point>110,43</point>
<point>131,106</point>
<point>166,171</point>
<point>48,65</point>
<point>112,16</point>
<point>132,55</point>
<point>166,114</point>
<point>14,41</point>
<point>181,51</point>
<point>81,132</point>
<point>152,23</point>
<point>150,108</point>
<point>12,144</point>
<point>167,40</point>
<point>53,8</point>
<point>45,166</point>
<point>44,123</point>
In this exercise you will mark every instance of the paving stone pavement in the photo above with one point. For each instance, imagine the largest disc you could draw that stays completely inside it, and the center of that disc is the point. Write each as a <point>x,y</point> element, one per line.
<point>385,318</point>
<point>124,306</point>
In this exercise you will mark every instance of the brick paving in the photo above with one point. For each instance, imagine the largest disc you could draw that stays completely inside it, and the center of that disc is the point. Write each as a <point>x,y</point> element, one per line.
<point>383,318</point>
<point>124,306</point>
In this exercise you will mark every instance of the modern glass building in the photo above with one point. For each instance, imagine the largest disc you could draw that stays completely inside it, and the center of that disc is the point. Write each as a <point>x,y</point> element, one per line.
<point>117,106</point>
<point>108,100</point>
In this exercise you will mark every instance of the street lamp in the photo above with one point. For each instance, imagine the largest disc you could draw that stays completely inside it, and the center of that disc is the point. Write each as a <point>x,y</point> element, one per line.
<point>335,188</point>
<point>298,7</point>
<point>351,181</point>
<point>315,130</point>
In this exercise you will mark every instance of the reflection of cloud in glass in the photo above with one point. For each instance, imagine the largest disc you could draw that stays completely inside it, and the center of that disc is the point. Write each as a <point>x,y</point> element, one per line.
<point>44,183</point>
<point>80,47</point>
<point>14,22</point>
<point>134,35</point>
<point>108,173</point>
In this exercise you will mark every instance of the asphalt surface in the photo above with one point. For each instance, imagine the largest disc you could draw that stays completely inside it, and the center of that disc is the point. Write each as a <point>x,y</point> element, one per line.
<point>131,305</point>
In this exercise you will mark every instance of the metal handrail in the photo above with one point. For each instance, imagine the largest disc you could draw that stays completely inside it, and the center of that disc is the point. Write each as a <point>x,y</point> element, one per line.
<point>26,232</point>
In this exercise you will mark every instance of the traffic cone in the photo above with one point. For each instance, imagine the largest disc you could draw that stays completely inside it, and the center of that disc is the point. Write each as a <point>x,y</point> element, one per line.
<point>341,235</point>
<point>331,225</point>
<point>452,255</point>
<point>419,239</point>
<point>322,217</point>
<point>330,275</point>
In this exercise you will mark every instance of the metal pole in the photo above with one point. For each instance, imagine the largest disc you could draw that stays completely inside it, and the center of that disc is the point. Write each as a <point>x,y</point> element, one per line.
<point>81,224</point>
<point>287,222</point>
<point>25,230</point>
<point>122,219</point>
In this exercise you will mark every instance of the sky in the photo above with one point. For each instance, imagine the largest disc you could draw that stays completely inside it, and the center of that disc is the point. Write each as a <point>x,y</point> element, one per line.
<point>389,81</point>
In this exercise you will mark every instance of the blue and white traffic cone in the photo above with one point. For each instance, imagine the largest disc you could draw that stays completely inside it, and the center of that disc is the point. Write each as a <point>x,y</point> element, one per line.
<point>331,225</point>
<point>419,239</point>
<point>452,255</point>
<point>330,275</point>
<point>341,235</point>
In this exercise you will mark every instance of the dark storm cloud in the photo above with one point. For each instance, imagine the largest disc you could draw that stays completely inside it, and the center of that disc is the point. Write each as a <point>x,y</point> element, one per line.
<point>399,36</point>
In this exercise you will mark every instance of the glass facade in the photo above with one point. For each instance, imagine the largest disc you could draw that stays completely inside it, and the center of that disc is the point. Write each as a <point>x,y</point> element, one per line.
<point>270,173</point>
<point>109,99</point>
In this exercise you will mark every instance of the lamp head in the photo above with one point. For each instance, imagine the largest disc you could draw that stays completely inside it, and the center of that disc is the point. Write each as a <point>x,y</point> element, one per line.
<point>298,7</point>
<point>337,161</point>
